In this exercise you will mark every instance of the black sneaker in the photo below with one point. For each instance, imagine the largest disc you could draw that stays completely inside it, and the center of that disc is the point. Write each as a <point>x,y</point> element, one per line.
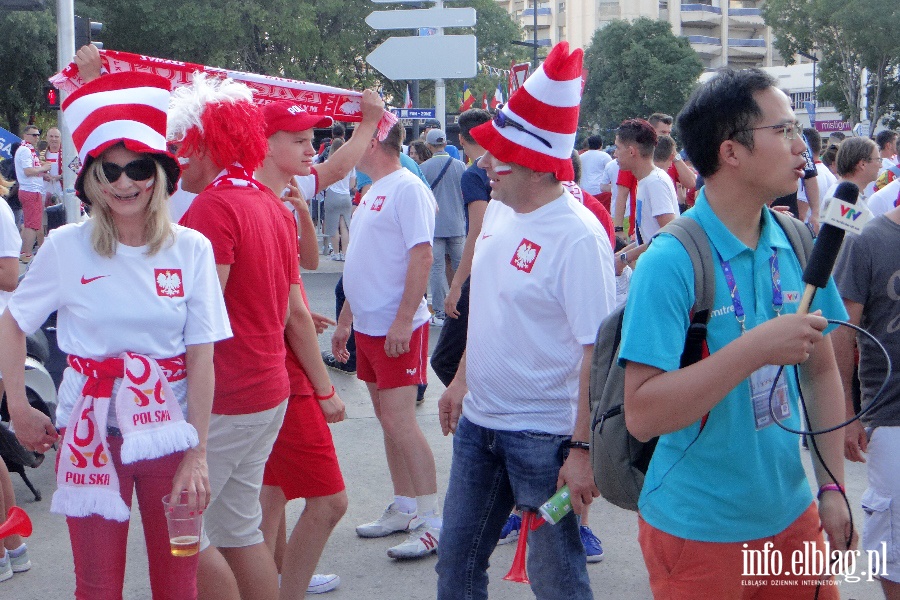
<point>330,361</point>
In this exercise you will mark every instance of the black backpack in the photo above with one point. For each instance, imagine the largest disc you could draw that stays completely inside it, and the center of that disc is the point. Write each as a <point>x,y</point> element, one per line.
<point>620,461</point>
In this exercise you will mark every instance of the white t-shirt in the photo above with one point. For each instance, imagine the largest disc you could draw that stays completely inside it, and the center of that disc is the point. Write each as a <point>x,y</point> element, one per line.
<point>342,186</point>
<point>826,180</point>
<point>150,305</point>
<point>179,202</point>
<point>610,176</point>
<point>53,187</point>
<point>10,243</point>
<point>396,214</point>
<point>26,160</point>
<point>655,196</point>
<point>541,283</point>
<point>593,163</point>
<point>883,200</point>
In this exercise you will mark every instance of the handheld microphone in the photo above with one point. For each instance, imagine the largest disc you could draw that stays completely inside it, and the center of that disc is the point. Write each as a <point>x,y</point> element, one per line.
<point>825,252</point>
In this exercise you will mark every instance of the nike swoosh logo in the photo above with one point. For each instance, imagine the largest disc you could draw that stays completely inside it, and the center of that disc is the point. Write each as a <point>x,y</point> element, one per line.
<point>484,236</point>
<point>86,281</point>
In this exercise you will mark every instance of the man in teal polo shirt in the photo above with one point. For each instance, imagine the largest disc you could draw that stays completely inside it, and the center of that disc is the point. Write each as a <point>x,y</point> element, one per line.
<point>720,488</point>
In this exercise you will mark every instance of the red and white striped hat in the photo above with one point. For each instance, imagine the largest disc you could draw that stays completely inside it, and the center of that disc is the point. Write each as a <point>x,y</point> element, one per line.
<point>128,108</point>
<point>537,127</point>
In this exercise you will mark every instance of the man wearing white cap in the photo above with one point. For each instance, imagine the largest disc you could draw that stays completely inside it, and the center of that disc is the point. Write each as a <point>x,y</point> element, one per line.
<point>542,280</point>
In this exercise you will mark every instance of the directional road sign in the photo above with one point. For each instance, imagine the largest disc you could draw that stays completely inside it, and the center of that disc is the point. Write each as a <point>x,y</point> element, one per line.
<point>414,113</point>
<point>432,57</point>
<point>429,17</point>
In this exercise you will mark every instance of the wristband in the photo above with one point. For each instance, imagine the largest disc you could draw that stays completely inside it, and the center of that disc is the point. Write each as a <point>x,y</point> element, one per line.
<point>328,397</point>
<point>830,487</point>
<point>571,444</point>
<point>618,229</point>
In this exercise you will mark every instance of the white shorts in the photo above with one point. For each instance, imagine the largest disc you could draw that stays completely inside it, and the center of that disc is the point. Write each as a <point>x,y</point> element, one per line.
<point>881,500</point>
<point>237,449</point>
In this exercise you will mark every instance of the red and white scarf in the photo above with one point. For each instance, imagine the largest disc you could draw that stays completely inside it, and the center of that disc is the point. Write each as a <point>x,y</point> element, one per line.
<point>149,418</point>
<point>317,99</point>
<point>35,159</point>
<point>237,176</point>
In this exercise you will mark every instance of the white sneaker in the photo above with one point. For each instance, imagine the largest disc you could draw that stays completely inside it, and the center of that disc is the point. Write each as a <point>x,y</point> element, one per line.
<point>6,571</point>
<point>422,541</point>
<point>319,584</point>
<point>20,563</point>
<point>391,521</point>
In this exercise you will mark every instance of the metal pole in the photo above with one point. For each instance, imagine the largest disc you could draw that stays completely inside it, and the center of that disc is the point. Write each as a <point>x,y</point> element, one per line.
<point>414,95</point>
<point>65,44</point>
<point>815,97</point>
<point>534,38</point>
<point>440,88</point>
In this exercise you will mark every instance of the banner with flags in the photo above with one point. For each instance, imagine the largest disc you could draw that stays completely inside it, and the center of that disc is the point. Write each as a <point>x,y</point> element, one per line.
<point>468,100</point>
<point>317,99</point>
<point>407,103</point>
<point>497,100</point>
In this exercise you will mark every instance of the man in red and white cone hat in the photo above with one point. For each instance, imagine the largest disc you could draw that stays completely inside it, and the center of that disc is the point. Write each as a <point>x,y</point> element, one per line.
<point>542,280</point>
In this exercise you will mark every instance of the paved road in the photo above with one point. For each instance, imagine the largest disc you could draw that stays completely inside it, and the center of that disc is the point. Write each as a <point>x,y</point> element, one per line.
<point>365,570</point>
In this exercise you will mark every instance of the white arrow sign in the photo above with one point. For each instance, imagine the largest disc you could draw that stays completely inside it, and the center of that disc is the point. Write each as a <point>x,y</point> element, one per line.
<point>430,57</point>
<point>429,17</point>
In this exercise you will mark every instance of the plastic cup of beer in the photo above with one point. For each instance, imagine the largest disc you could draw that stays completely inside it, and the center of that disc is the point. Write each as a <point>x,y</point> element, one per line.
<point>185,523</point>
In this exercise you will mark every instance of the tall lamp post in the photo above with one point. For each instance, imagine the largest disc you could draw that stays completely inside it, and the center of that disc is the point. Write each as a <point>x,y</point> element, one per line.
<point>533,44</point>
<point>815,99</point>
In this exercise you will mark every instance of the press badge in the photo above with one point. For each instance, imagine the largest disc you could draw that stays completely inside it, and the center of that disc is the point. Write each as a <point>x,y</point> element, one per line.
<point>760,388</point>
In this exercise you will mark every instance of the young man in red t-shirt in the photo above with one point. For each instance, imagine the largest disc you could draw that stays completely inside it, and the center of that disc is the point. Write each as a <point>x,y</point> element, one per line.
<point>303,462</point>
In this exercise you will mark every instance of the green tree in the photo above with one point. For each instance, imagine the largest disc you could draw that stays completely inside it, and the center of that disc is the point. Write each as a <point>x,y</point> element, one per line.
<point>850,37</point>
<point>324,41</point>
<point>27,59</point>
<point>635,69</point>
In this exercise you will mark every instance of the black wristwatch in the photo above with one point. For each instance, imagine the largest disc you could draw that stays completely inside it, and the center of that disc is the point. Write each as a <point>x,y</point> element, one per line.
<point>618,229</point>
<point>624,257</point>
<point>572,444</point>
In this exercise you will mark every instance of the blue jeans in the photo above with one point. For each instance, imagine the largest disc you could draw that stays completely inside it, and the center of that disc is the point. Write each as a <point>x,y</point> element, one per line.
<point>439,286</point>
<point>491,472</point>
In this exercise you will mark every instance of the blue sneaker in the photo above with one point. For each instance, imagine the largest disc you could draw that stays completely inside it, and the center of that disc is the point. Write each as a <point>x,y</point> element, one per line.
<point>510,531</point>
<point>592,546</point>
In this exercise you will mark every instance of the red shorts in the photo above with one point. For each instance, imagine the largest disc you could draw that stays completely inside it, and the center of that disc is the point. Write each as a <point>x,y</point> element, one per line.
<point>683,569</point>
<point>303,462</point>
<point>373,365</point>
<point>32,208</point>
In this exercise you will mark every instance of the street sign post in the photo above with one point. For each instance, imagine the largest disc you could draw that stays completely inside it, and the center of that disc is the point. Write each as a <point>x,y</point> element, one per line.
<point>432,57</point>
<point>414,113</point>
<point>429,17</point>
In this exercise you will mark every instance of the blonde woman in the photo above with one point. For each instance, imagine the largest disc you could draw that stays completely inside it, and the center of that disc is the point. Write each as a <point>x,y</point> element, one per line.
<point>140,307</point>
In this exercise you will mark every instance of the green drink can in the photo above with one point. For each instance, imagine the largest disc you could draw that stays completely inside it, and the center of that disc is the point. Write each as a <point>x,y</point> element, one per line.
<point>557,507</point>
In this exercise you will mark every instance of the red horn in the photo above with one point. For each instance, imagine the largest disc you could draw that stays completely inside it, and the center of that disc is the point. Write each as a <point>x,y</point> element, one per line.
<point>17,523</point>
<point>517,571</point>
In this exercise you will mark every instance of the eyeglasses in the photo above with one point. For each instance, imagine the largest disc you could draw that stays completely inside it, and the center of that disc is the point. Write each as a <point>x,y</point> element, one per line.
<point>141,169</point>
<point>35,134</point>
<point>501,121</point>
<point>789,130</point>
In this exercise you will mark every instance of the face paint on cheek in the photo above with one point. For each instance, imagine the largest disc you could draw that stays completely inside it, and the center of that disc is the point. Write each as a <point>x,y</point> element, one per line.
<point>183,161</point>
<point>150,183</point>
<point>502,169</point>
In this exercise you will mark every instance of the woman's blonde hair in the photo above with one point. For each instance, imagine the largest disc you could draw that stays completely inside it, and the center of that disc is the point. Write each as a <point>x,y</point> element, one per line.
<point>157,227</point>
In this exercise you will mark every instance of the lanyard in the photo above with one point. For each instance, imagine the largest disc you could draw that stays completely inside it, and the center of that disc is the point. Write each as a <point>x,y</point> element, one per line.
<point>777,298</point>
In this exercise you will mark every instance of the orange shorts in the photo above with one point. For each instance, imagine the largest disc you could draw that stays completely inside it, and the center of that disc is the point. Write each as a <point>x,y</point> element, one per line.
<point>683,569</point>
<point>373,365</point>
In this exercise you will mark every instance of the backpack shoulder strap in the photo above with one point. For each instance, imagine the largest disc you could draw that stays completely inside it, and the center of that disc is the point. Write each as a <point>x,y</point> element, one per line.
<point>691,235</point>
<point>798,234</point>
